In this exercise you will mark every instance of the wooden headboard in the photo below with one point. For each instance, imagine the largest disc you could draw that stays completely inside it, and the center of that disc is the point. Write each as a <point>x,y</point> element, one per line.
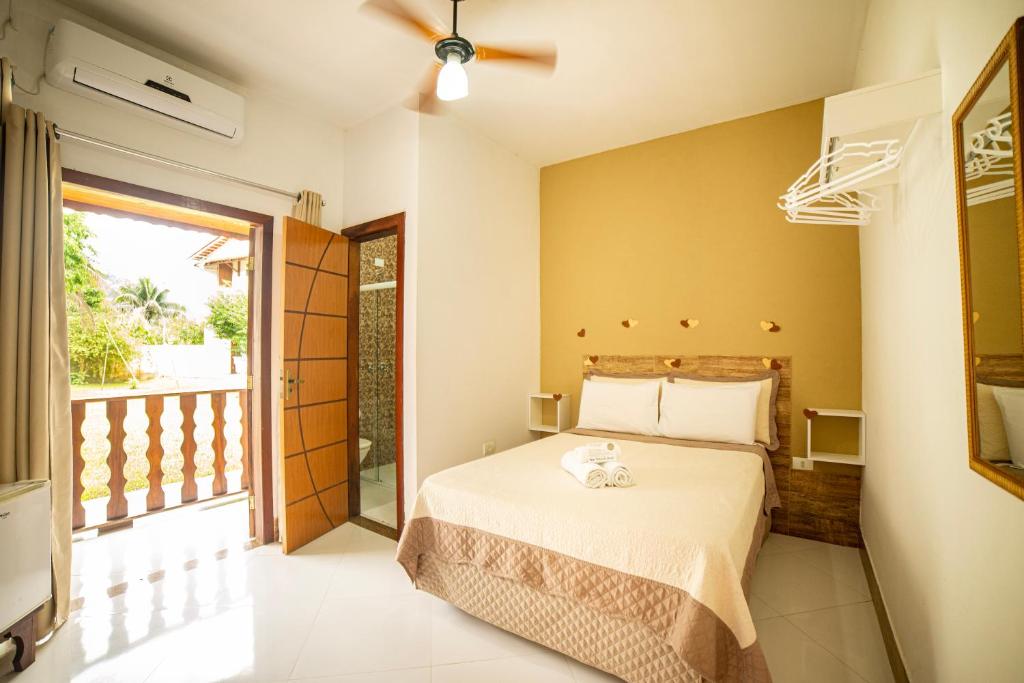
<point>824,503</point>
<point>1002,369</point>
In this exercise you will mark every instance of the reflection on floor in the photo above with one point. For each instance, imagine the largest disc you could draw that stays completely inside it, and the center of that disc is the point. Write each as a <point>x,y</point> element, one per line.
<point>261,616</point>
<point>377,499</point>
<point>159,544</point>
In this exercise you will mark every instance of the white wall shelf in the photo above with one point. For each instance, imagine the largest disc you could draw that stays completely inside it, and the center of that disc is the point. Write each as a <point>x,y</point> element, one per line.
<point>563,413</point>
<point>860,458</point>
<point>887,111</point>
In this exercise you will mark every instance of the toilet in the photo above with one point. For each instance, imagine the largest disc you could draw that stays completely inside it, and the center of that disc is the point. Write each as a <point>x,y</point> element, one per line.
<point>364,448</point>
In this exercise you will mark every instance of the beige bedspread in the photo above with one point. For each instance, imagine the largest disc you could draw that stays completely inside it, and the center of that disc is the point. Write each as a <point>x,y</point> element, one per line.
<point>671,552</point>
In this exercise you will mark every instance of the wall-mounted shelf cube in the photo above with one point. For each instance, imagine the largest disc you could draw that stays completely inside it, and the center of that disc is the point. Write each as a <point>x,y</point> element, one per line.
<point>544,406</point>
<point>858,458</point>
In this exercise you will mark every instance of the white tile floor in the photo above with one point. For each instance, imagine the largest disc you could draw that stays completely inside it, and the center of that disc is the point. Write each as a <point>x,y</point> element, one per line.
<point>341,611</point>
<point>378,499</point>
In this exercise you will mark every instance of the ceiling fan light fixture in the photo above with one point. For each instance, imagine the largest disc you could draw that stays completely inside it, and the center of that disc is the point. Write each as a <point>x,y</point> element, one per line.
<point>452,82</point>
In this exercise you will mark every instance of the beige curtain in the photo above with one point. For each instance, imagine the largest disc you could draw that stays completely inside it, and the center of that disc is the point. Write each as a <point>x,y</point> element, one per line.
<point>307,209</point>
<point>35,389</point>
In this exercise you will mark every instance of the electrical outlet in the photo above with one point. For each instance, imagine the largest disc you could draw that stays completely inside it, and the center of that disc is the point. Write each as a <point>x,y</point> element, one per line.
<point>488,448</point>
<point>803,464</point>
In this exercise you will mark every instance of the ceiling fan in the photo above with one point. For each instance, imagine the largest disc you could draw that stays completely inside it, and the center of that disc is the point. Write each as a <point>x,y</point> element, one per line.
<point>447,79</point>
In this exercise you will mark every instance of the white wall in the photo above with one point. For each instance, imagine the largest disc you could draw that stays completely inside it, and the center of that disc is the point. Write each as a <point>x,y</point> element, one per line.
<point>478,339</point>
<point>472,297</point>
<point>946,544</point>
<point>381,172</point>
<point>283,146</point>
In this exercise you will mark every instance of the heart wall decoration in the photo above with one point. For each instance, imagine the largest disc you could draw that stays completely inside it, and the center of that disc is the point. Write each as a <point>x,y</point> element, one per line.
<point>689,323</point>
<point>770,326</point>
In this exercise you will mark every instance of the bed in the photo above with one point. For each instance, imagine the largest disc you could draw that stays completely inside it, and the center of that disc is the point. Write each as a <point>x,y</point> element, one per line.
<point>648,583</point>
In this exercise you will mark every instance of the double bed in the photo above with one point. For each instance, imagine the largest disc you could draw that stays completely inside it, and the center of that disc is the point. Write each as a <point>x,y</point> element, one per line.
<point>648,583</point>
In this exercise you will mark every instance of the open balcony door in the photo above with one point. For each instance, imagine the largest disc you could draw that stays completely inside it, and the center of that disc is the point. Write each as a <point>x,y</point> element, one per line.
<point>315,399</point>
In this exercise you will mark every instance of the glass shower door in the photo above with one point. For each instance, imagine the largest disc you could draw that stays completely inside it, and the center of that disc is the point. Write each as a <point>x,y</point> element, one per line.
<point>377,360</point>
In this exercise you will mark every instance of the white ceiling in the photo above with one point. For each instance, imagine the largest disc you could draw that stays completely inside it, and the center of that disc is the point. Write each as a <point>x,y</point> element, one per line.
<point>628,70</point>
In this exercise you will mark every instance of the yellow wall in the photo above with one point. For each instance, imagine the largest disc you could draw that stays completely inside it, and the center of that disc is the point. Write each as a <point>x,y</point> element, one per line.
<point>995,276</point>
<point>686,227</point>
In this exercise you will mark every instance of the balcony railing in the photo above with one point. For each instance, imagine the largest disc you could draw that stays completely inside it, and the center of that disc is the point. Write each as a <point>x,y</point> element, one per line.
<point>151,467</point>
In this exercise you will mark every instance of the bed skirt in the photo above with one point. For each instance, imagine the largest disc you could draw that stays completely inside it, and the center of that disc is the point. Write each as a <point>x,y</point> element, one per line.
<point>627,649</point>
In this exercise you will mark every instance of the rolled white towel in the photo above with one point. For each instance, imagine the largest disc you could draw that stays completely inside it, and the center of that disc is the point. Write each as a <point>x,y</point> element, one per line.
<point>618,474</point>
<point>590,474</point>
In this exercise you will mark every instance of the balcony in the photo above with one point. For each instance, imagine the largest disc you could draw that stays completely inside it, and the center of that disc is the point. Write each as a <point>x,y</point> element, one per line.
<point>136,453</point>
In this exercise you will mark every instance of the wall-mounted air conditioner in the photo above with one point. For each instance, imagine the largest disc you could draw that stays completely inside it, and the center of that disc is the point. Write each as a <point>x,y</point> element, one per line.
<point>90,64</point>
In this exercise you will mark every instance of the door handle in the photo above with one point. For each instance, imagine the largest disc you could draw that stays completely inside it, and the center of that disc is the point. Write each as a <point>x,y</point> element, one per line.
<point>290,383</point>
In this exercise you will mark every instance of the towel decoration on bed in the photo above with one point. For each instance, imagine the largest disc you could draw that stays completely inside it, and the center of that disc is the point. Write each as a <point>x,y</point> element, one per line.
<point>590,474</point>
<point>597,464</point>
<point>618,474</point>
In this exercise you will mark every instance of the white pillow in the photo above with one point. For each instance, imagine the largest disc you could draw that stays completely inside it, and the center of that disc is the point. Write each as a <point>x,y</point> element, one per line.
<point>765,430</point>
<point>1011,405</point>
<point>990,426</point>
<point>710,412</point>
<point>619,407</point>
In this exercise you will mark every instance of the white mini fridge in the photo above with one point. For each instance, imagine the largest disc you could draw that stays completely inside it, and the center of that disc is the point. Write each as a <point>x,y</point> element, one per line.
<point>24,549</point>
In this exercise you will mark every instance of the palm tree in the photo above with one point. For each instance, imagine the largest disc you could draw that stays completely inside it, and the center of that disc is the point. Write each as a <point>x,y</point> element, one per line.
<point>147,301</point>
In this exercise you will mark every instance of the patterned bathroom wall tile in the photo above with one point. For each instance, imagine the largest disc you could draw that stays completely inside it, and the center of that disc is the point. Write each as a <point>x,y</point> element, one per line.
<point>377,352</point>
<point>385,248</point>
<point>367,361</point>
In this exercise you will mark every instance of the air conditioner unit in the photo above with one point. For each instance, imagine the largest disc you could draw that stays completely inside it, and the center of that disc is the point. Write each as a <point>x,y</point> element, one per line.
<point>90,64</point>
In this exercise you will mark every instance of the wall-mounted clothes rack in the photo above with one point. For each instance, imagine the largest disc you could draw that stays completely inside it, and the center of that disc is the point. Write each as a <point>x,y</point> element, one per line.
<point>863,135</point>
<point>827,193</point>
<point>990,155</point>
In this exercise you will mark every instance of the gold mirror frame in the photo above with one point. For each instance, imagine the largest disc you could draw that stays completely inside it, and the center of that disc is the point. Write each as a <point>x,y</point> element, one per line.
<point>1008,52</point>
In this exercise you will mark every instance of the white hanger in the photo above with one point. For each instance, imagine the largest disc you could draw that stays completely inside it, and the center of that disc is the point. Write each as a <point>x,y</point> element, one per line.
<point>991,155</point>
<point>827,192</point>
<point>842,208</point>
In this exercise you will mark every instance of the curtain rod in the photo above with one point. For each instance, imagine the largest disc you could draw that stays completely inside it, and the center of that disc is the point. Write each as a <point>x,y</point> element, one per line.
<point>89,140</point>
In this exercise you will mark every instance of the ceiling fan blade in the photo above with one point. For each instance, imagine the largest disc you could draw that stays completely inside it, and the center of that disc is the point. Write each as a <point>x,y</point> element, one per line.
<point>399,14</point>
<point>425,101</point>
<point>543,58</point>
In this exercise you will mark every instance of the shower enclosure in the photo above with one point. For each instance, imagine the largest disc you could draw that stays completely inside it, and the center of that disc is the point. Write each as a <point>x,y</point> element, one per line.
<point>377,359</point>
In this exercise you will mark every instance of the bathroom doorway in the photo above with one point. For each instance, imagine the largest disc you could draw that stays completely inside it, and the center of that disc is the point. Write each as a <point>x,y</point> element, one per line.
<point>376,260</point>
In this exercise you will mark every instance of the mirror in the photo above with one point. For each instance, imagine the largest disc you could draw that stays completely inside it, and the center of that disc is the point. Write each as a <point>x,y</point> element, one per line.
<point>987,135</point>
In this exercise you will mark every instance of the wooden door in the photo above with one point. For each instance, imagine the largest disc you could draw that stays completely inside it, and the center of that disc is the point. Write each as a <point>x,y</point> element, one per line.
<point>314,430</point>
<point>245,397</point>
